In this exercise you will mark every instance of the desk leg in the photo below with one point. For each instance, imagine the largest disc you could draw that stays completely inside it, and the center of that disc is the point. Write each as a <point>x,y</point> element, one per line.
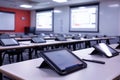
<point>107,41</point>
<point>1,76</point>
<point>87,44</point>
<point>74,46</point>
<point>1,61</point>
<point>30,53</point>
<point>99,41</point>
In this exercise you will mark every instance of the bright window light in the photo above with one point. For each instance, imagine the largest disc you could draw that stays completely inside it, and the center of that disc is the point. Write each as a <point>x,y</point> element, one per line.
<point>26,6</point>
<point>60,1</point>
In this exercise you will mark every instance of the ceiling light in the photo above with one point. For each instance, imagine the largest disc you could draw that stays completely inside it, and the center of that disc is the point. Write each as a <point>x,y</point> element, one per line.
<point>26,6</point>
<point>82,7</point>
<point>114,5</point>
<point>60,1</point>
<point>57,11</point>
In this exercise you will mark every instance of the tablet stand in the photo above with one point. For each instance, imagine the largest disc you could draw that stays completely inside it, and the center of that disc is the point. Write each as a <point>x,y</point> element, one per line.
<point>96,52</point>
<point>69,64</point>
<point>44,65</point>
<point>118,47</point>
<point>102,52</point>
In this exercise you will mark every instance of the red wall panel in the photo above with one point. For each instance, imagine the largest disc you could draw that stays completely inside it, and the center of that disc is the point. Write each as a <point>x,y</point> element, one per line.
<point>19,22</point>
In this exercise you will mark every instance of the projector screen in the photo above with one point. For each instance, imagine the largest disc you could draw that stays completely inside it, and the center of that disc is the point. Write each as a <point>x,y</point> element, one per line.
<point>44,20</point>
<point>84,18</point>
<point>7,21</point>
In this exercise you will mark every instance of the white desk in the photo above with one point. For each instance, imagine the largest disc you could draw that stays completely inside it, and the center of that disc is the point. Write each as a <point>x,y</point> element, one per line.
<point>28,70</point>
<point>48,43</point>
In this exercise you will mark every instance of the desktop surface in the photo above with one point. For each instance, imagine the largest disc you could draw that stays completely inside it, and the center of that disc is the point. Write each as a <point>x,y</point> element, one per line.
<point>28,70</point>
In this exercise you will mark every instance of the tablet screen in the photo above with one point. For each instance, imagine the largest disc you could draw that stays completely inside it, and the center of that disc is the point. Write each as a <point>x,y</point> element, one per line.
<point>38,40</point>
<point>8,42</point>
<point>63,59</point>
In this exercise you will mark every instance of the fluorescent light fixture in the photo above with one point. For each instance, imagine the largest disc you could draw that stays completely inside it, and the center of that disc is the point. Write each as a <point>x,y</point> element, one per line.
<point>82,7</point>
<point>114,5</point>
<point>44,3</point>
<point>57,11</point>
<point>60,1</point>
<point>26,6</point>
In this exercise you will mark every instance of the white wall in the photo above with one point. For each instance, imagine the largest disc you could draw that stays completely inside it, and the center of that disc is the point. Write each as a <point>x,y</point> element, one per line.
<point>109,18</point>
<point>61,20</point>
<point>33,18</point>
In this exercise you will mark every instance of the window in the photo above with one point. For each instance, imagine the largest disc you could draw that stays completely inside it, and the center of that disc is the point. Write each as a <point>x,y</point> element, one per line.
<point>44,20</point>
<point>84,18</point>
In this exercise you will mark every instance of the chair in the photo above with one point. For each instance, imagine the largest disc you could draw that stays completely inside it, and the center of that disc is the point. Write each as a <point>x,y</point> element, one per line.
<point>38,40</point>
<point>4,36</point>
<point>87,43</point>
<point>107,40</point>
<point>12,52</point>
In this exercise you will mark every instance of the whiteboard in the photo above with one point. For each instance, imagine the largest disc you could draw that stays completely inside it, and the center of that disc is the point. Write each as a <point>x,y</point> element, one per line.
<point>44,20</point>
<point>7,21</point>
<point>84,18</point>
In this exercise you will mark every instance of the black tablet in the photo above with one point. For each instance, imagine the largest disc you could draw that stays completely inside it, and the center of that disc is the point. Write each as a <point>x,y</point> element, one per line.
<point>76,37</point>
<point>106,50</point>
<point>63,61</point>
<point>9,42</point>
<point>38,40</point>
<point>60,38</point>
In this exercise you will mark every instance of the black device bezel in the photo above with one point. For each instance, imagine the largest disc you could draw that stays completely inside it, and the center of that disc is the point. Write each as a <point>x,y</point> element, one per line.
<point>57,68</point>
<point>12,44</point>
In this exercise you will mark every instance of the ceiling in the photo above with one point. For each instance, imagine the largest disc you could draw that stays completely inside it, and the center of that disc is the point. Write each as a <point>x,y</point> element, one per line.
<point>40,4</point>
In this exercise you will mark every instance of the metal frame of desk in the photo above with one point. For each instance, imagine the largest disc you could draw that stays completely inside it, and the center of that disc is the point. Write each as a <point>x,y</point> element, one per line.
<point>49,43</point>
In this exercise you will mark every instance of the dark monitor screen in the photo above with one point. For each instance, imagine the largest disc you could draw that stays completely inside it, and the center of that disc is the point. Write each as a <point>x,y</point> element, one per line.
<point>60,38</point>
<point>32,30</point>
<point>63,60</point>
<point>9,42</point>
<point>38,40</point>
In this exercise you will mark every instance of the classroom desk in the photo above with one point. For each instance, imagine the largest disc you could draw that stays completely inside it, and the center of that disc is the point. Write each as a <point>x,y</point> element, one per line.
<point>29,39</point>
<point>48,43</point>
<point>73,42</point>
<point>28,70</point>
<point>68,37</point>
